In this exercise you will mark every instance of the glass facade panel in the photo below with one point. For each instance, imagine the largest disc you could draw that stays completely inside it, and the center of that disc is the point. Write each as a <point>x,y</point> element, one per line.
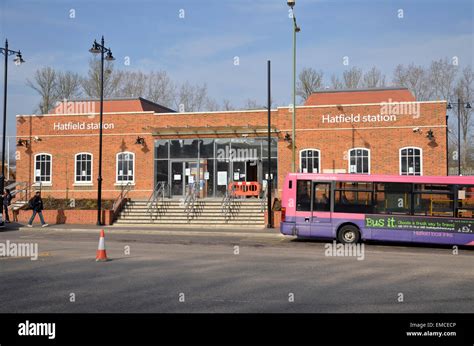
<point>161,170</point>
<point>206,148</point>
<point>221,161</point>
<point>161,149</point>
<point>183,148</point>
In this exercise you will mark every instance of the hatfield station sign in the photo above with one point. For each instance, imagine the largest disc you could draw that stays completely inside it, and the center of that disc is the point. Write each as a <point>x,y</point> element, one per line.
<point>357,118</point>
<point>388,113</point>
<point>72,126</point>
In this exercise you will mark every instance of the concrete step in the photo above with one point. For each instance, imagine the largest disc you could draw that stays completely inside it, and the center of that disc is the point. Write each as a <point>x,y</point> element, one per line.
<point>207,212</point>
<point>256,219</point>
<point>184,222</point>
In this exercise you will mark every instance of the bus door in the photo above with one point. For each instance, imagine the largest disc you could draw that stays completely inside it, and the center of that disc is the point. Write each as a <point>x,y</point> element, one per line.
<point>321,215</point>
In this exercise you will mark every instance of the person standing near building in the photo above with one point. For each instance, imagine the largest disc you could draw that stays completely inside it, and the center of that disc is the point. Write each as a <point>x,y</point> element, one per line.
<point>7,199</point>
<point>36,203</point>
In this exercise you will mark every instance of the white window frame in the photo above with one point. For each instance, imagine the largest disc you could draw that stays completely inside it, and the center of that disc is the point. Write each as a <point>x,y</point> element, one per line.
<point>75,169</point>
<point>117,182</point>
<point>400,159</point>
<point>44,183</point>
<point>368,158</point>
<point>319,158</point>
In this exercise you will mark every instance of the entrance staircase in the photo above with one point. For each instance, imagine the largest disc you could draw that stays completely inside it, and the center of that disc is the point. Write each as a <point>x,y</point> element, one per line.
<point>204,213</point>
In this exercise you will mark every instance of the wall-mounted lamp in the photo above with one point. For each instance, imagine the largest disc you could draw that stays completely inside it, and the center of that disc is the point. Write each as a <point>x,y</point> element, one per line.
<point>288,138</point>
<point>430,135</point>
<point>140,140</point>
<point>23,142</point>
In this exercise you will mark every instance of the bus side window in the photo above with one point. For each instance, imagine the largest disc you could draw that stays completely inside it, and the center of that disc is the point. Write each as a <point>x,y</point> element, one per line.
<point>322,195</point>
<point>465,202</point>
<point>303,195</point>
<point>290,184</point>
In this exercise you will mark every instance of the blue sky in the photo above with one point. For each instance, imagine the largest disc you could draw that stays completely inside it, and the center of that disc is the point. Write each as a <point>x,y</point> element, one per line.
<point>201,47</point>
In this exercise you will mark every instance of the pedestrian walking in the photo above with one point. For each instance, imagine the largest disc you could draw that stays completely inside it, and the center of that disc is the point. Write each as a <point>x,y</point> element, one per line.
<point>7,200</point>
<point>36,203</point>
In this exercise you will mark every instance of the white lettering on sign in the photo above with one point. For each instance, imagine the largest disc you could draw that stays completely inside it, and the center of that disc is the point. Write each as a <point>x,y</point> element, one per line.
<point>357,118</point>
<point>71,126</point>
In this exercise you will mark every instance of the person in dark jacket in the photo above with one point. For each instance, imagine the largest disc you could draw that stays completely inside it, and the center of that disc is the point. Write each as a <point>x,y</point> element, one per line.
<point>36,203</point>
<point>7,200</point>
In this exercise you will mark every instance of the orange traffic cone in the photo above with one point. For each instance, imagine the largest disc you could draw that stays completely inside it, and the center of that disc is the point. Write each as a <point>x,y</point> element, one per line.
<point>101,254</point>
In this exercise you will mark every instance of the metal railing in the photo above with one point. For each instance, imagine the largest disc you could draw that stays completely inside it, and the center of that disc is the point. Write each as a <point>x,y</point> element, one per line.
<point>121,199</point>
<point>190,201</point>
<point>22,194</point>
<point>228,202</point>
<point>157,197</point>
<point>263,199</point>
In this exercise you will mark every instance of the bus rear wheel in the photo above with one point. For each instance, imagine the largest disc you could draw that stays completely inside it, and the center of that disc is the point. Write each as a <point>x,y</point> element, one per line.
<point>348,234</point>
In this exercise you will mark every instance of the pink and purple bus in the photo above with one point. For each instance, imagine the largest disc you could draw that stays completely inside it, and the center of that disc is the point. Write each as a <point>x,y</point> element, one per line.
<point>355,207</point>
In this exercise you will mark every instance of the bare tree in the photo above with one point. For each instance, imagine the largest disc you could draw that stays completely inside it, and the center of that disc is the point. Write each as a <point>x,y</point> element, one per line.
<point>336,82</point>
<point>441,75</point>
<point>91,84</point>
<point>352,78</point>
<point>44,82</point>
<point>373,78</point>
<point>68,85</point>
<point>415,78</point>
<point>464,90</point>
<point>191,98</point>
<point>252,104</point>
<point>309,80</point>
<point>161,89</point>
<point>132,84</point>
<point>227,106</point>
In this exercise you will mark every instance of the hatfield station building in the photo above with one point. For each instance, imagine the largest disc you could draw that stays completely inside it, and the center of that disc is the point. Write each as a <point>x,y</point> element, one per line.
<point>369,131</point>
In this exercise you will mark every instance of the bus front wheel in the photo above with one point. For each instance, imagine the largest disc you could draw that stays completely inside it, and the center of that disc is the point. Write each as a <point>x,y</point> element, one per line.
<point>348,234</point>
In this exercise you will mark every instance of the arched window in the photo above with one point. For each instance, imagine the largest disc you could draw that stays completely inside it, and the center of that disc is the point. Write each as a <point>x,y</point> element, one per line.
<point>359,161</point>
<point>411,161</point>
<point>125,167</point>
<point>310,161</point>
<point>83,168</point>
<point>43,168</point>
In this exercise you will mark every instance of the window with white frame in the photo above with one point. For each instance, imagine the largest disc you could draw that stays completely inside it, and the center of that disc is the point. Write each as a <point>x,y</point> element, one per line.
<point>411,159</point>
<point>359,161</point>
<point>310,161</point>
<point>43,168</point>
<point>125,167</point>
<point>83,168</point>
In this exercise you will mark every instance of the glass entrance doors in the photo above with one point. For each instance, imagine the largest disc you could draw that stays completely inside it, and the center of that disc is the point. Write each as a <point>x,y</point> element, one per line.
<point>183,173</point>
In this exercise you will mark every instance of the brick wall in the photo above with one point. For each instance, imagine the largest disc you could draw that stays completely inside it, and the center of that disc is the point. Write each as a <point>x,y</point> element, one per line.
<point>384,139</point>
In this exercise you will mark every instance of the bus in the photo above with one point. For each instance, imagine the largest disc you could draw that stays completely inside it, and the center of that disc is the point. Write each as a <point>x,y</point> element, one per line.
<point>355,207</point>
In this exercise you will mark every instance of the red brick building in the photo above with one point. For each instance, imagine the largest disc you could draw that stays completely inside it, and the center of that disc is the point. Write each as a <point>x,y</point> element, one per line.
<point>374,131</point>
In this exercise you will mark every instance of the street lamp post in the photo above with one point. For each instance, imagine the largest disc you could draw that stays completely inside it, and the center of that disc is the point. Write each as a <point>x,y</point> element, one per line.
<point>101,49</point>
<point>18,61</point>
<point>467,106</point>
<point>269,156</point>
<point>296,29</point>
<point>447,145</point>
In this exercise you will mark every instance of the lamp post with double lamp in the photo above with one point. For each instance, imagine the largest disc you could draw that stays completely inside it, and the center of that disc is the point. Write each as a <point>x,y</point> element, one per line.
<point>18,61</point>
<point>467,105</point>
<point>99,48</point>
<point>296,29</point>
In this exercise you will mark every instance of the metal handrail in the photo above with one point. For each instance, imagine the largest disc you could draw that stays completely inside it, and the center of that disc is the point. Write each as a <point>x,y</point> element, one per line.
<point>263,200</point>
<point>118,203</point>
<point>190,200</point>
<point>158,194</point>
<point>227,202</point>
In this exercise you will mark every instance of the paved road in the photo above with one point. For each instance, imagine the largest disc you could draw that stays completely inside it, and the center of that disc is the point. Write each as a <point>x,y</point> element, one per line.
<point>263,277</point>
